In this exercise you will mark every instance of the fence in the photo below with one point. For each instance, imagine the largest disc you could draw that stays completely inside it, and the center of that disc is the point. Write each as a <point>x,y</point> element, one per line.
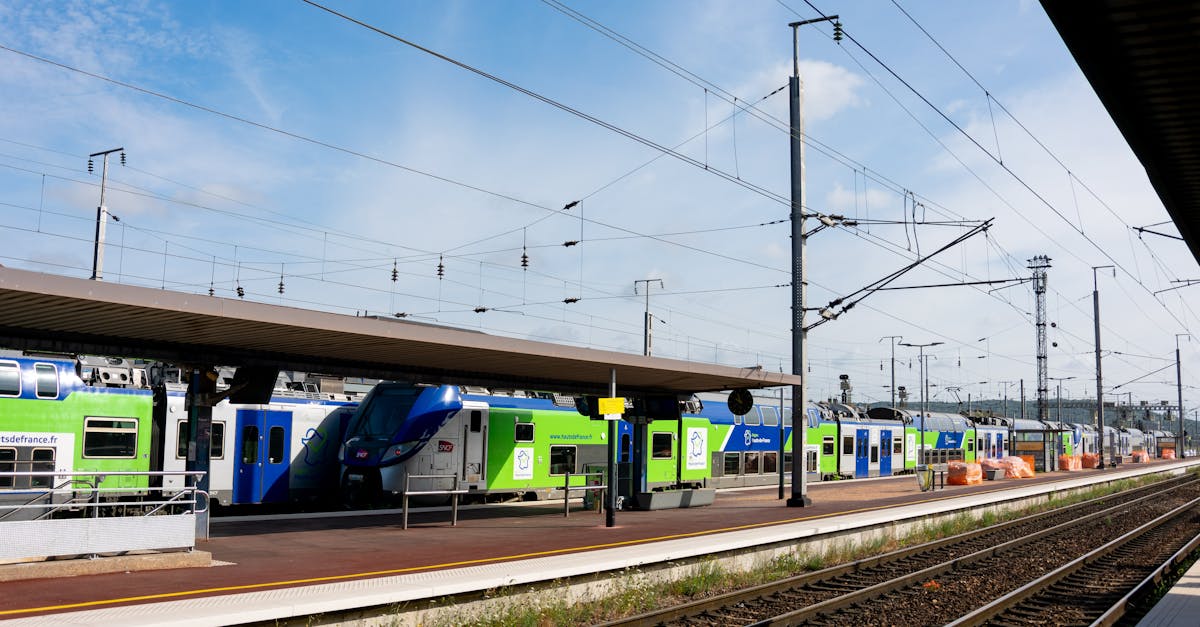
<point>59,514</point>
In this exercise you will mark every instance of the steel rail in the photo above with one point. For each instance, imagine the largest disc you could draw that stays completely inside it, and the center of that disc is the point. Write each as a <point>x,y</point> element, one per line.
<point>1043,583</point>
<point>837,603</point>
<point>697,608</point>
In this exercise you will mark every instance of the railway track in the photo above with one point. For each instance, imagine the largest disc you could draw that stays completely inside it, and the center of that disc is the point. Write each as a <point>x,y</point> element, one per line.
<point>936,582</point>
<point>1103,585</point>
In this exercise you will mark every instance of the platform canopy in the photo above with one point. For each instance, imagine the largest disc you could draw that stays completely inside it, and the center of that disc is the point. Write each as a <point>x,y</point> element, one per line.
<point>1143,59</point>
<point>44,312</point>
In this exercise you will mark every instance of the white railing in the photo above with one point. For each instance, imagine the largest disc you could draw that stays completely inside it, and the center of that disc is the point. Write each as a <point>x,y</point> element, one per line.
<point>453,493</point>
<point>46,514</point>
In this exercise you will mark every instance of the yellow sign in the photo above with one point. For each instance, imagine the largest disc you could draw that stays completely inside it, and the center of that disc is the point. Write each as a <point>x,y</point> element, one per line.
<point>612,406</point>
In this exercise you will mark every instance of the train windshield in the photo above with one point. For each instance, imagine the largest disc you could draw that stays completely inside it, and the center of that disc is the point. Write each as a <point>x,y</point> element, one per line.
<point>387,409</point>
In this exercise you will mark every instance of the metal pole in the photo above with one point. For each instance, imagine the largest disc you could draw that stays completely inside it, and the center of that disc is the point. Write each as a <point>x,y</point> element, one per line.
<point>1179,390</point>
<point>893,339</point>
<point>1099,377</point>
<point>646,332</point>
<point>799,496</point>
<point>779,464</point>
<point>101,214</point>
<point>610,515</point>
<point>1022,399</point>
<point>799,335</point>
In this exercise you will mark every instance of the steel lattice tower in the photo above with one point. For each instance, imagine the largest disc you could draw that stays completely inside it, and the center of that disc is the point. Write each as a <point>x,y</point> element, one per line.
<point>1039,264</point>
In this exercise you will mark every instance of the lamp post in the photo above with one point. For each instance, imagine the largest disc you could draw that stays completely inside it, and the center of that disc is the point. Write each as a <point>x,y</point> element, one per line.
<point>1058,393</point>
<point>924,373</point>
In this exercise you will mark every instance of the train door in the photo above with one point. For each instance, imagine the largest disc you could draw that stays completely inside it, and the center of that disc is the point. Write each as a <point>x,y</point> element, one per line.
<point>885,453</point>
<point>474,456</point>
<point>262,466</point>
<point>862,443</point>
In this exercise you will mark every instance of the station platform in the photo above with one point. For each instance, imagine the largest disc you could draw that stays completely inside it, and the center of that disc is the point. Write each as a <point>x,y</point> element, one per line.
<point>275,568</point>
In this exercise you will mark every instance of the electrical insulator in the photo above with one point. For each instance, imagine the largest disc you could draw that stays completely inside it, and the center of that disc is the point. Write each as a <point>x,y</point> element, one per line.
<point>241,292</point>
<point>211,291</point>
<point>395,272</point>
<point>837,31</point>
<point>441,267</point>
<point>524,260</point>
<point>91,167</point>
<point>122,157</point>
<point>281,285</point>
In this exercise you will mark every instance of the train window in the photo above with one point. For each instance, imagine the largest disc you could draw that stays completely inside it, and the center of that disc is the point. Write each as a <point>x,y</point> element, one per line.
<point>770,462</point>
<point>897,446</point>
<point>523,432</point>
<point>476,421</point>
<point>737,420</point>
<point>216,446</point>
<point>8,463</point>
<point>275,445</point>
<point>752,419</point>
<point>827,445</point>
<point>43,461</point>
<point>874,454</point>
<point>10,379</point>
<point>250,444</point>
<point>810,457</point>
<point>787,416</point>
<point>47,380</point>
<point>662,444</point>
<point>562,460</point>
<point>181,442</point>
<point>787,462</point>
<point>847,445</point>
<point>216,442</point>
<point>770,417</point>
<point>110,437</point>
<point>733,463</point>
<point>750,463</point>
<point>970,444</point>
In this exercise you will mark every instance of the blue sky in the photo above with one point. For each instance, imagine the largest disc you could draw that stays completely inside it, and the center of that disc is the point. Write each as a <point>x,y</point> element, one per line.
<point>424,161</point>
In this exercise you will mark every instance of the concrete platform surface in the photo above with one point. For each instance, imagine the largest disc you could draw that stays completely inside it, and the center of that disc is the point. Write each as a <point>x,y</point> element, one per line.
<point>277,567</point>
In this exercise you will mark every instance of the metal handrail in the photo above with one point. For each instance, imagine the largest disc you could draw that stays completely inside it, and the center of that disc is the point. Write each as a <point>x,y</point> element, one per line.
<point>453,496</point>
<point>83,489</point>
<point>567,488</point>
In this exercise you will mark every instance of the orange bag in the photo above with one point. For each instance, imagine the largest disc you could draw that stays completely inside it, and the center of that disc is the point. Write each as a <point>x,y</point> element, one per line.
<point>1069,462</point>
<point>963,473</point>
<point>1090,460</point>
<point>1017,468</point>
<point>1168,453</point>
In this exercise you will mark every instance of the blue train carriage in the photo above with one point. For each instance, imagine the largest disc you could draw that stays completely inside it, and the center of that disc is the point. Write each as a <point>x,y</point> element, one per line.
<point>948,437</point>
<point>992,436</point>
<point>497,444</point>
<point>865,443</point>
<point>744,450</point>
<point>279,452</point>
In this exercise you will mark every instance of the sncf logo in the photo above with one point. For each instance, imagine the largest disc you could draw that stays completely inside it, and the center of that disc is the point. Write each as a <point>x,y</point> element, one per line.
<point>445,446</point>
<point>361,453</point>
